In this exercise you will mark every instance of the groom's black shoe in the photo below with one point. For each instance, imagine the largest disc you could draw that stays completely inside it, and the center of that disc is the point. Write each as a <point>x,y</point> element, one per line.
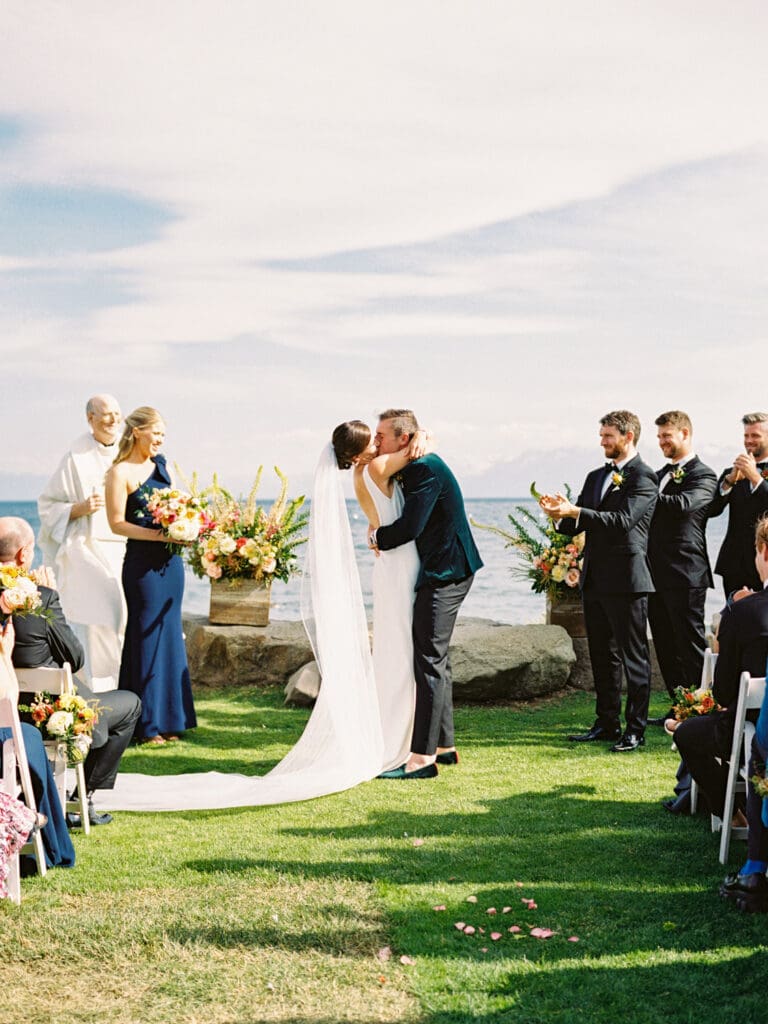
<point>429,771</point>
<point>448,757</point>
<point>597,732</point>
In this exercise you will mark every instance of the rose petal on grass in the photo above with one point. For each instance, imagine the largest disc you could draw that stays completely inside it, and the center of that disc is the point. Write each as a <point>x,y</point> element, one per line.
<point>531,904</point>
<point>382,980</point>
<point>440,906</point>
<point>384,953</point>
<point>506,910</point>
<point>481,930</point>
<point>519,885</point>
<point>407,960</point>
<point>471,899</point>
<point>461,925</point>
<point>270,987</point>
<point>495,936</point>
<point>469,930</point>
<point>491,910</point>
<point>483,949</point>
<point>573,938</point>
<point>541,933</point>
<point>514,929</point>
<point>418,842</point>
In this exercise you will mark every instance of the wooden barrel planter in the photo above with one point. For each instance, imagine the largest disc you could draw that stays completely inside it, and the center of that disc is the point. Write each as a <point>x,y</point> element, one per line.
<point>567,612</point>
<point>239,603</point>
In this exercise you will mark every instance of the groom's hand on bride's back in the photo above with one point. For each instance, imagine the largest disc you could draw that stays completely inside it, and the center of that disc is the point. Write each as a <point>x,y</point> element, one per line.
<point>372,540</point>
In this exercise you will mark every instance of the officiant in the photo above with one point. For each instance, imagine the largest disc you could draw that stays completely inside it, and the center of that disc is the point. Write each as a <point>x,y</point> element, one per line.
<point>77,542</point>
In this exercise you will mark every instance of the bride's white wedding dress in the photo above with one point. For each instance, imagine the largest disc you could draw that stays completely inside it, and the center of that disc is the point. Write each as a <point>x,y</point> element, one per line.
<point>361,724</point>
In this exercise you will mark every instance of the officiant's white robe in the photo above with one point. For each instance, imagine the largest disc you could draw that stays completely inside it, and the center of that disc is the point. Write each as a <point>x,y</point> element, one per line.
<point>87,558</point>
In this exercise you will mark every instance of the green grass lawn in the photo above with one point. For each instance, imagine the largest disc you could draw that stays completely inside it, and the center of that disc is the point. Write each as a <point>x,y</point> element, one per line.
<point>301,913</point>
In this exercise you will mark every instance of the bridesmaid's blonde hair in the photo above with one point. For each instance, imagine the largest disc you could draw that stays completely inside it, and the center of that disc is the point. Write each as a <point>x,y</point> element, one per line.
<point>144,416</point>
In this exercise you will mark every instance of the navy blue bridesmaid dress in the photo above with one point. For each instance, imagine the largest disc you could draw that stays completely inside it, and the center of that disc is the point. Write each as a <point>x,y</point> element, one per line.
<point>154,662</point>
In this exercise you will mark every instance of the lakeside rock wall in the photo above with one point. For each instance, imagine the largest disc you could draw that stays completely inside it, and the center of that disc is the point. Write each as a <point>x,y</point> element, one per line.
<point>491,660</point>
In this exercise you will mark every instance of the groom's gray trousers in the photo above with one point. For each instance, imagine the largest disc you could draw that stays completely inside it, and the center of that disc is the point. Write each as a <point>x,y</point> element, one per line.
<point>434,616</point>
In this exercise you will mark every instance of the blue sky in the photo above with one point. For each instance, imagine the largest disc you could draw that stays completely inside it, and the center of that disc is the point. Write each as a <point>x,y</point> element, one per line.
<point>265,219</point>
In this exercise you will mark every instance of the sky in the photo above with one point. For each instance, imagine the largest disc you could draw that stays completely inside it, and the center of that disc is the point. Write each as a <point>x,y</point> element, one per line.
<point>265,218</point>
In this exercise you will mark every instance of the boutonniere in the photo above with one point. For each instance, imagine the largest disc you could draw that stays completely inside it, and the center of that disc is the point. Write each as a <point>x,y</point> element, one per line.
<point>678,474</point>
<point>764,473</point>
<point>617,478</point>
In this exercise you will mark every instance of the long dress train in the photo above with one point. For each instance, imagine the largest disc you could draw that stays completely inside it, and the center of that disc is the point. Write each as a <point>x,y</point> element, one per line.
<point>345,741</point>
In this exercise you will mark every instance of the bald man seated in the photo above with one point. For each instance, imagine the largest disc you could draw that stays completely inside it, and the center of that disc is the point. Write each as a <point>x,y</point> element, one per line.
<point>48,640</point>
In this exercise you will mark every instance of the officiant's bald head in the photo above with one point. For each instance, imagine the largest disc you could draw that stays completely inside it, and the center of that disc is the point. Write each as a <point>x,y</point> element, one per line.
<point>104,418</point>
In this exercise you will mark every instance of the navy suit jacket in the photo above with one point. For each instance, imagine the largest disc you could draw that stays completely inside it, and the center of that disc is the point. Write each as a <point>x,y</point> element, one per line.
<point>677,545</point>
<point>616,528</point>
<point>433,515</point>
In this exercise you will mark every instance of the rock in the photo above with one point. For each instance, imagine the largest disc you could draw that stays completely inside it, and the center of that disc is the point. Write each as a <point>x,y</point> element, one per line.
<point>244,655</point>
<point>304,685</point>
<point>495,661</point>
<point>491,660</point>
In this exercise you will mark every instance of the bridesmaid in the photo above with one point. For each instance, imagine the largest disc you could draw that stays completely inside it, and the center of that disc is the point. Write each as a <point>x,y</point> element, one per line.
<point>154,662</point>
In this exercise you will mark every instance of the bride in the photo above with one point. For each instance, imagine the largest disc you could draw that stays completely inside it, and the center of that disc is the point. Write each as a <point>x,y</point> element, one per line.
<point>362,720</point>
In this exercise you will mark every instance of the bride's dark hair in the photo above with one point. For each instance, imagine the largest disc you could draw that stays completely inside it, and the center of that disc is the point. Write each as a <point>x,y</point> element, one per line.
<point>349,440</point>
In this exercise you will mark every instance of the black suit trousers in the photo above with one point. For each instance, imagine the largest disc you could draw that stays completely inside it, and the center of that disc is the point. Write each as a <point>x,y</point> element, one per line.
<point>704,743</point>
<point>434,616</point>
<point>676,618</point>
<point>617,639</point>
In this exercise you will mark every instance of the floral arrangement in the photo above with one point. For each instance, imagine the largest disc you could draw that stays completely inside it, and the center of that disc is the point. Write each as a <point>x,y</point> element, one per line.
<point>181,516</point>
<point>552,561</point>
<point>678,474</point>
<point>19,595</point>
<point>242,540</point>
<point>690,703</point>
<point>617,478</point>
<point>67,718</point>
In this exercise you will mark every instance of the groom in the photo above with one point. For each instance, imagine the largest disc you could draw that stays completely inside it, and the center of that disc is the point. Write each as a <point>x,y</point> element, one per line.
<point>433,515</point>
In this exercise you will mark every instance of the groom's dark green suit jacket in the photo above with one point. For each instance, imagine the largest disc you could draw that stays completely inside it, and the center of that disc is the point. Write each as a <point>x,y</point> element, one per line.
<point>433,515</point>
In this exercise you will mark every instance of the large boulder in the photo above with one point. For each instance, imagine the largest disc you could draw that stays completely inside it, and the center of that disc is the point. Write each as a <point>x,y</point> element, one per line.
<point>494,661</point>
<point>244,655</point>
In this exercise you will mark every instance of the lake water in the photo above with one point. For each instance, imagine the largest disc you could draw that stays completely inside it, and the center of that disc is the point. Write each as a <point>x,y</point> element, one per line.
<point>496,593</point>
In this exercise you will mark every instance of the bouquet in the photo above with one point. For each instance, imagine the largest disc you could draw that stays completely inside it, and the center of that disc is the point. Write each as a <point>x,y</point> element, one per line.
<point>19,594</point>
<point>689,704</point>
<point>67,719</point>
<point>181,516</point>
<point>552,561</point>
<point>242,540</point>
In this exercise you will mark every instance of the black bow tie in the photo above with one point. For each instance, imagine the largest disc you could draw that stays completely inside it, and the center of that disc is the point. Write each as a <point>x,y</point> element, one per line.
<point>609,467</point>
<point>671,467</point>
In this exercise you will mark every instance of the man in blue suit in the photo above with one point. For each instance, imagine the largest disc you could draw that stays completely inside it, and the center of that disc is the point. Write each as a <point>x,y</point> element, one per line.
<point>433,515</point>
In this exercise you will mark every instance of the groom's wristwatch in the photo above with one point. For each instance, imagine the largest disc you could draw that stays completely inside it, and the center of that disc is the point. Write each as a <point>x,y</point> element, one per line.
<point>372,540</point>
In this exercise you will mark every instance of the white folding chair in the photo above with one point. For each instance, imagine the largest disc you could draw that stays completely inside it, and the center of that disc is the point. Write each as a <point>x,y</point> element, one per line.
<point>16,778</point>
<point>751,692</point>
<point>707,678</point>
<point>57,681</point>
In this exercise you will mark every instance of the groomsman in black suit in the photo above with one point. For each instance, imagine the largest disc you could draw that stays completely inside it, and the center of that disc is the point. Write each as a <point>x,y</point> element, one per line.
<point>614,510</point>
<point>433,515</point>
<point>677,552</point>
<point>48,640</point>
<point>743,489</point>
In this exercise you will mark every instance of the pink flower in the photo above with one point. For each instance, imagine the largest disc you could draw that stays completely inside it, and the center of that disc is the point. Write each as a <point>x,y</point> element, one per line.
<point>214,571</point>
<point>572,578</point>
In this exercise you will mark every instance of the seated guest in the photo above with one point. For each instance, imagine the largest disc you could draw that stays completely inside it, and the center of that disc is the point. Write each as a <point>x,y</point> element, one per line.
<point>705,742</point>
<point>49,641</point>
<point>58,848</point>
